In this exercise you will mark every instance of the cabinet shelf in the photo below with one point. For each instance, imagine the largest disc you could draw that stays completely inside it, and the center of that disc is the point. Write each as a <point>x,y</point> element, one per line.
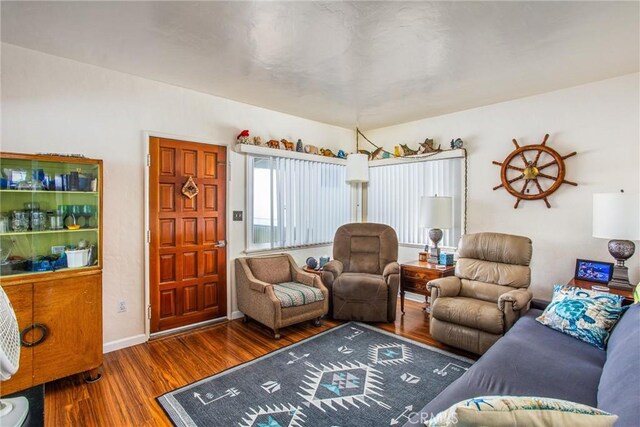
<point>92,193</point>
<point>28,233</point>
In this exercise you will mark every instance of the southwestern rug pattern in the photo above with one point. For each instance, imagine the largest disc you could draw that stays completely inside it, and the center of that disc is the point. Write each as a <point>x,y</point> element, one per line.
<point>351,375</point>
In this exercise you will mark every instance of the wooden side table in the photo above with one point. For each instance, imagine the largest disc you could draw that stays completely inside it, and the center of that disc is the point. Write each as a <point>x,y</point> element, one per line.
<point>415,275</point>
<point>584,284</point>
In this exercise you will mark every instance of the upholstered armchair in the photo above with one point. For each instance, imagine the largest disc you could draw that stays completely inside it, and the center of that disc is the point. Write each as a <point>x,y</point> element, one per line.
<point>364,276</point>
<point>488,293</point>
<point>274,291</point>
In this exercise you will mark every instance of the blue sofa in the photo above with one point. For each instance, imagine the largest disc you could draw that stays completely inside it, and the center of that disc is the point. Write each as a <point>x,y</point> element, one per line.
<point>534,360</point>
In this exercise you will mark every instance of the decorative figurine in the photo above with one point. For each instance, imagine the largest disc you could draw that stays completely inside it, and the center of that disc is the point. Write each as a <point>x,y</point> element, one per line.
<point>286,144</point>
<point>341,154</point>
<point>396,150</point>
<point>257,141</point>
<point>311,149</point>
<point>427,147</point>
<point>386,155</point>
<point>456,144</point>
<point>406,151</point>
<point>243,137</point>
<point>299,146</point>
<point>273,143</point>
<point>375,154</point>
<point>327,152</point>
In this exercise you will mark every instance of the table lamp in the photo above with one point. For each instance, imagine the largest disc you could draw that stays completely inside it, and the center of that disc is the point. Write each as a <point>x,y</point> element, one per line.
<point>616,217</point>
<point>435,214</point>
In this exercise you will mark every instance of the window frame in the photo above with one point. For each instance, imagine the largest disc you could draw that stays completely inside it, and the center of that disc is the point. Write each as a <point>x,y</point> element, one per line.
<point>274,244</point>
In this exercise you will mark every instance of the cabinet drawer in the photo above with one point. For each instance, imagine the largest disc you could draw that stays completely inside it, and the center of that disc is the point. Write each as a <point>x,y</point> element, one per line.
<point>413,285</point>
<point>422,274</point>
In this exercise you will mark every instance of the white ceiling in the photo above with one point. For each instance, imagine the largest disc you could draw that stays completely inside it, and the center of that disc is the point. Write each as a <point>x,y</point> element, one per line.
<point>367,64</point>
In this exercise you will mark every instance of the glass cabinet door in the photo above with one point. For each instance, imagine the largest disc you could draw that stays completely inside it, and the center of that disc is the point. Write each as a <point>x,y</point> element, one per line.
<point>49,213</point>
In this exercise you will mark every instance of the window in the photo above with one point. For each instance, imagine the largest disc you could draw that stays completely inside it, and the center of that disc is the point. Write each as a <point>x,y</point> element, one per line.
<point>394,192</point>
<point>294,202</point>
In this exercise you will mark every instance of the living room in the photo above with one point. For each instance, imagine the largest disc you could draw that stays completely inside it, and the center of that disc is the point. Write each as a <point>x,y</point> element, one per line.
<point>104,79</point>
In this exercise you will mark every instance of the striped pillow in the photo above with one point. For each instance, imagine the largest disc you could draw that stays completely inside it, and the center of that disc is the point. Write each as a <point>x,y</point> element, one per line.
<point>293,294</point>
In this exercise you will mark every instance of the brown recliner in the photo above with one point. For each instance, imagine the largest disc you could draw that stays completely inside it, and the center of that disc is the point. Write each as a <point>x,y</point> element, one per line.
<point>364,276</point>
<point>488,293</point>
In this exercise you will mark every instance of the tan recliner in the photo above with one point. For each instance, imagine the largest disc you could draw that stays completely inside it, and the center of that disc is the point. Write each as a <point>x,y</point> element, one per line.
<point>276,292</point>
<point>364,276</point>
<point>488,293</point>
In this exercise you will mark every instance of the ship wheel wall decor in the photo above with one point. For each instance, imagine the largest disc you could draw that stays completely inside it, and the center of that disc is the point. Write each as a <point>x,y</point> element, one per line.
<point>542,170</point>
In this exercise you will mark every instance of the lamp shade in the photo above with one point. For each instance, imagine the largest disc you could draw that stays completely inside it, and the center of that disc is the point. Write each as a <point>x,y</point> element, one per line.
<point>357,168</point>
<point>436,212</point>
<point>616,216</point>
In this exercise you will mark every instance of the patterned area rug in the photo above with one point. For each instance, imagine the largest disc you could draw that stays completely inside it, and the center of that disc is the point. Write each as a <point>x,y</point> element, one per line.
<point>351,375</point>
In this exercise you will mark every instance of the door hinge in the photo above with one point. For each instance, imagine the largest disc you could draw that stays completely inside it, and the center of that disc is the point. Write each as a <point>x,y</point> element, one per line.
<point>148,159</point>
<point>149,311</point>
<point>148,236</point>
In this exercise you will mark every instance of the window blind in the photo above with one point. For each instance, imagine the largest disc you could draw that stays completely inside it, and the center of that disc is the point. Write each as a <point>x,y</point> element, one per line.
<point>294,202</point>
<point>394,192</point>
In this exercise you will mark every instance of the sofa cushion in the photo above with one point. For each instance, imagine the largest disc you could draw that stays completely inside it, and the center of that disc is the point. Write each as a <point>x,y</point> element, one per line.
<point>496,247</point>
<point>360,287</point>
<point>293,294</point>
<point>585,315</point>
<point>365,247</point>
<point>516,276</point>
<point>619,388</point>
<point>530,360</point>
<point>477,314</point>
<point>270,269</point>
<point>507,411</point>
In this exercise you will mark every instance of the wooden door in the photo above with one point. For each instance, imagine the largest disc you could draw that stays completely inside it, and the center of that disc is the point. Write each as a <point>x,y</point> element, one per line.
<point>188,257</point>
<point>71,310</point>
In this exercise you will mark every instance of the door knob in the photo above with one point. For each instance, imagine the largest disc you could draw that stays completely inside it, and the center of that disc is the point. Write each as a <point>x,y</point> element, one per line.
<point>221,244</point>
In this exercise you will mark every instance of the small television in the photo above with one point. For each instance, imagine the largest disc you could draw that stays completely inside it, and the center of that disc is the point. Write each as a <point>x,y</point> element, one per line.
<point>594,271</point>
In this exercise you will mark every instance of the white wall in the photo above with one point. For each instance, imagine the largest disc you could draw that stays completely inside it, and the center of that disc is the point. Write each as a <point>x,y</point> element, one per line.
<point>51,104</point>
<point>600,121</point>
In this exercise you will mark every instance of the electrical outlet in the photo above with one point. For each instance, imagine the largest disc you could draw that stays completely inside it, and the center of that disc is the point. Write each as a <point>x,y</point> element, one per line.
<point>237,215</point>
<point>122,306</point>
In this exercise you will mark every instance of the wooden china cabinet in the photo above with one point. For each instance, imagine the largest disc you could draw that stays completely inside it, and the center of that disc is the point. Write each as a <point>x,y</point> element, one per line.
<point>51,264</point>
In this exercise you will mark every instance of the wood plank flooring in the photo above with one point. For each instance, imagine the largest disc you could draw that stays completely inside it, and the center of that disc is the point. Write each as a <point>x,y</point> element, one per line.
<point>135,376</point>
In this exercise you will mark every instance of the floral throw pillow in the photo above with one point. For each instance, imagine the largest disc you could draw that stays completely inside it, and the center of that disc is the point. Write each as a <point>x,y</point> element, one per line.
<point>586,315</point>
<point>508,411</point>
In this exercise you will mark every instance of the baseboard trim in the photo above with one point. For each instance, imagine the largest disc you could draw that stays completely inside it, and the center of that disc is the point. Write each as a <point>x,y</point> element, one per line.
<point>236,315</point>
<point>123,343</point>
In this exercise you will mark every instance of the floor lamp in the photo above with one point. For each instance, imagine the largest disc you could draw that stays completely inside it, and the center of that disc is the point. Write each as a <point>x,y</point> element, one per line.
<point>357,173</point>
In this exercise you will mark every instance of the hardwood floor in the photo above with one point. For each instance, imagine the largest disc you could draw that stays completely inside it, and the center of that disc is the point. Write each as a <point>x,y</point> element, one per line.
<point>135,376</point>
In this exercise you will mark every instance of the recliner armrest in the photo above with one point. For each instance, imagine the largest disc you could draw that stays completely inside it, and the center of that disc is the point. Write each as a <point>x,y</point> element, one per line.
<point>389,269</point>
<point>518,298</point>
<point>444,287</point>
<point>334,266</point>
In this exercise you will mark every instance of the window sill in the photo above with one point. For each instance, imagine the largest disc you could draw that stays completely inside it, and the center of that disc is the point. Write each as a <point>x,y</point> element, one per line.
<point>287,249</point>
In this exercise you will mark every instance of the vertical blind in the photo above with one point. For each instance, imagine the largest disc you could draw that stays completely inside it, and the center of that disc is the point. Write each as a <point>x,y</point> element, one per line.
<point>394,192</point>
<point>294,202</point>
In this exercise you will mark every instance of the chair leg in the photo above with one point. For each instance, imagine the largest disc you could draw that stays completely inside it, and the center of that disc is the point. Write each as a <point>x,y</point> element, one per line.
<point>276,334</point>
<point>317,321</point>
<point>245,319</point>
